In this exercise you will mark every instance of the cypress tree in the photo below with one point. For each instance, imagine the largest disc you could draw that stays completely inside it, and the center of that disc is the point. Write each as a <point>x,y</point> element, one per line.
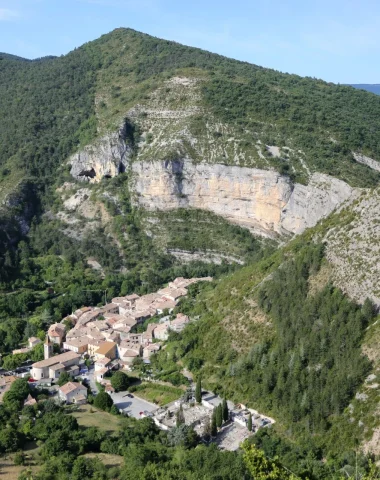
<point>226,415</point>
<point>219,416</point>
<point>198,390</point>
<point>214,429</point>
<point>180,417</point>
<point>250,422</point>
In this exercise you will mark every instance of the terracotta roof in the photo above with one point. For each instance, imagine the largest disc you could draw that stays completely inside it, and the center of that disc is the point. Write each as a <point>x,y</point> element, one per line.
<point>161,327</point>
<point>172,292</point>
<point>103,361</point>
<point>20,350</point>
<point>130,353</point>
<point>58,366</point>
<point>62,358</point>
<point>105,348</point>
<point>77,342</point>
<point>133,296</point>
<point>71,387</point>
<point>80,398</point>
<point>153,346</point>
<point>56,330</point>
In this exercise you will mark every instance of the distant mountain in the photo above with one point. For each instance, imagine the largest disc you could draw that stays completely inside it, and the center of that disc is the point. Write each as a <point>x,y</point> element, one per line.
<point>375,88</point>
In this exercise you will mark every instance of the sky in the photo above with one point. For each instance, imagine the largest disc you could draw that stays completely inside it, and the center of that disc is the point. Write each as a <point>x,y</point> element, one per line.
<point>336,40</point>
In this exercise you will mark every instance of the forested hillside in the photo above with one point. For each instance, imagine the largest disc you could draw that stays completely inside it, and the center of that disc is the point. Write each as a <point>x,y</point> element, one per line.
<point>281,338</point>
<point>273,330</point>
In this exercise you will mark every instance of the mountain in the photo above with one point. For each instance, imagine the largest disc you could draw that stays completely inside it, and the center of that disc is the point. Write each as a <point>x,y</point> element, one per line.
<point>133,160</point>
<point>373,88</point>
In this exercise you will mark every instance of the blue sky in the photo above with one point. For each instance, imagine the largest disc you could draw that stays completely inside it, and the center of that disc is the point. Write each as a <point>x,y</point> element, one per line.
<point>336,40</point>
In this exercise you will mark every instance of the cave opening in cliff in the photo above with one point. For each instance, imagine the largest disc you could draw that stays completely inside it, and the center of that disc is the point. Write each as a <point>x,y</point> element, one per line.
<point>87,173</point>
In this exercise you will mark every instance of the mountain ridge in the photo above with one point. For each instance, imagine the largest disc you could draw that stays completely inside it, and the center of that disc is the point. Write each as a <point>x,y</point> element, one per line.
<point>144,154</point>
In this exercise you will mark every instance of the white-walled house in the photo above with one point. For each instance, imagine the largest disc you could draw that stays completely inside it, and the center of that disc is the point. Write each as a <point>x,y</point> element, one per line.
<point>73,392</point>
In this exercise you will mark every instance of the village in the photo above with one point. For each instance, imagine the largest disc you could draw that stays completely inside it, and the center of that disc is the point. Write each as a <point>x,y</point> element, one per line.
<point>93,342</point>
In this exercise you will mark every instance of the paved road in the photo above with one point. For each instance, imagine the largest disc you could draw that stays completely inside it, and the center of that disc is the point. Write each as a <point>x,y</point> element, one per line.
<point>132,406</point>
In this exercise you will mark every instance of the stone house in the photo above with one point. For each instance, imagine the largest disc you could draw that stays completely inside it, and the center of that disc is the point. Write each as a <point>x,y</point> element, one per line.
<point>73,392</point>
<point>78,345</point>
<point>33,341</point>
<point>106,350</point>
<point>56,333</point>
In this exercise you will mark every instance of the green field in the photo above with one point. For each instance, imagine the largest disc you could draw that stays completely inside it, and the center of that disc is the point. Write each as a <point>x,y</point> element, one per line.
<point>88,416</point>
<point>158,394</point>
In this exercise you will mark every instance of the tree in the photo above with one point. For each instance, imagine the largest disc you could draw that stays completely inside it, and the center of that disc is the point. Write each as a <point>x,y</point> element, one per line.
<point>180,417</point>
<point>182,435</point>
<point>198,390</point>
<point>120,381</point>
<point>250,422</point>
<point>219,415</point>
<point>13,399</point>
<point>214,429</point>
<point>261,468</point>
<point>19,458</point>
<point>9,440</point>
<point>103,401</point>
<point>87,468</point>
<point>226,414</point>
<point>207,428</point>
<point>64,377</point>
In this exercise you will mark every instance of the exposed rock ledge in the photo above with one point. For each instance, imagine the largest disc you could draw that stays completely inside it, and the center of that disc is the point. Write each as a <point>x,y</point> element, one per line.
<point>261,200</point>
<point>370,162</point>
<point>107,157</point>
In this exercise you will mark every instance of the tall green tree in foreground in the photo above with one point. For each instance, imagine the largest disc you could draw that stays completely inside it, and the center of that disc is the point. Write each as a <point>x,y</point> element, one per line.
<point>219,416</point>
<point>214,429</point>
<point>250,422</point>
<point>180,417</point>
<point>226,414</point>
<point>198,390</point>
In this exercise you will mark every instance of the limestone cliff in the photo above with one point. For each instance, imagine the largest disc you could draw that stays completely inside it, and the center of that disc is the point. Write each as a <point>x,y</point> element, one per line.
<point>261,200</point>
<point>105,158</point>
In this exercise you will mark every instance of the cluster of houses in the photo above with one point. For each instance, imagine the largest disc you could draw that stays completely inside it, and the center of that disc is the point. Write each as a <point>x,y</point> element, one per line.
<point>106,333</point>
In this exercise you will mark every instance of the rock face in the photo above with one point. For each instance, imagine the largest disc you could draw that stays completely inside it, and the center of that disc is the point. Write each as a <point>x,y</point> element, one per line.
<point>309,203</point>
<point>261,200</point>
<point>370,162</point>
<point>105,158</point>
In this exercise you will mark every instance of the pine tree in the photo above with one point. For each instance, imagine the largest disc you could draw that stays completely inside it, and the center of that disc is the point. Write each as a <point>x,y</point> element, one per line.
<point>198,390</point>
<point>226,414</point>
<point>219,416</point>
<point>180,417</point>
<point>214,429</point>
<point>250,422</point>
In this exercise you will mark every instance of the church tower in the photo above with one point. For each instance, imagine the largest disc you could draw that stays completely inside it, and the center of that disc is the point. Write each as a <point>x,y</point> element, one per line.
<point>48,348</point>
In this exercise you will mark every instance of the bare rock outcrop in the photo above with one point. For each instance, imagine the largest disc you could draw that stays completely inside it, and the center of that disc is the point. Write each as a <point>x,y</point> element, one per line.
<point>106,157</point>
<point>261,200</point>
<point>370,162</point>
<point>309,203</point>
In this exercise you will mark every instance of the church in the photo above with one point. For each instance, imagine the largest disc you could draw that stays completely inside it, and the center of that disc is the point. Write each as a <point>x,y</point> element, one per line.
<point>52,366</point>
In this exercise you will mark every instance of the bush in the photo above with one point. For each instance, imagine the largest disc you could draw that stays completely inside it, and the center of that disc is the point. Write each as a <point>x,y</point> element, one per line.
<point>120,381</point>
<point>103,401</point>
<point>19,458</point>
